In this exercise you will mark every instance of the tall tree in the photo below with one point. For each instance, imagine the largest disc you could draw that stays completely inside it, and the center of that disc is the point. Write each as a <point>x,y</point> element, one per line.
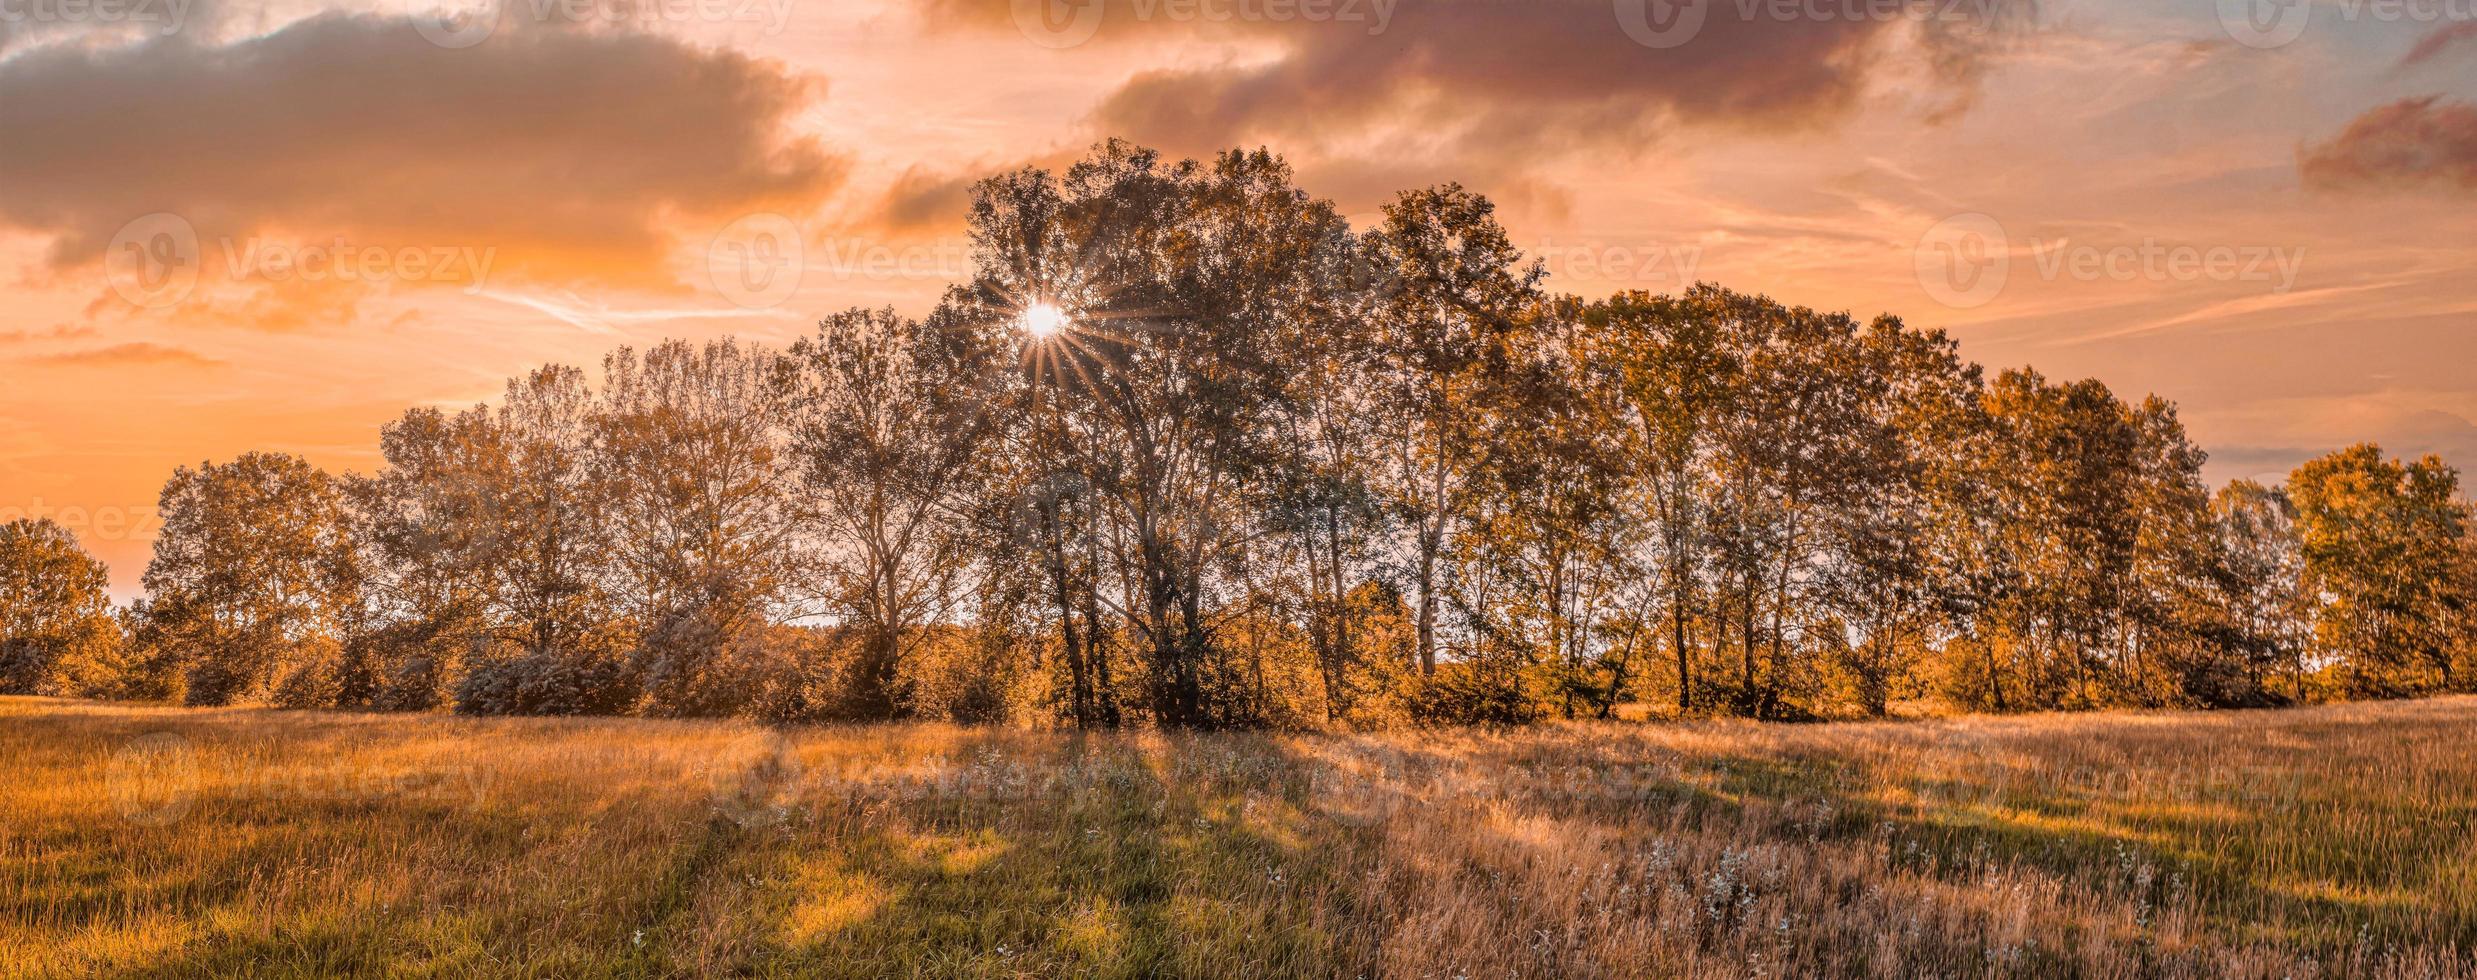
<point>1178,282</point>
<point>1554,523</point>
<point>2381,539</point>
<point>252,569</point>
<point>688,461</point>
<point>1451,286</point>
<point>1672,375</point>
<point>2260,608</point>
<point>432,529</point>
<point>56,625</point>
<point>1900,541</point>
<point>886,425</point>
<point>559,632</point>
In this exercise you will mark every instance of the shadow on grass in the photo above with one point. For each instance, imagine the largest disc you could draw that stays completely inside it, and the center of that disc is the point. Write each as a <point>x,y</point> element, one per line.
<point>2236,849</point>
<point>1137,856</point>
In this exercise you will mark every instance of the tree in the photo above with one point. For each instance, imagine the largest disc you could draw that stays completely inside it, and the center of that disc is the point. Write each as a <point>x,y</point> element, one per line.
<point>2170,650</point>
<point>1039,518</point>
<point>1179,283</point>
<point>2063,466</point>
<point>434,535</point>
<point>2381,541</point>
<point>2259,608</point>
<point>1553,526</point>
<point>253,573</point>
<point>1790,453</point>
<point>1901,538</point>
<point>1328,522</point>
<point>1451,287</point>
<point>557,633</point>
<point>1669,373</point>
<point>886,422</point>
<point>57,632</point>
<point>687,463</point>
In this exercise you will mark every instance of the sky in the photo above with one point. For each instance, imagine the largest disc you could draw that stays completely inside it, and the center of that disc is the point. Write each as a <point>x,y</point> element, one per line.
<point>228,226</point>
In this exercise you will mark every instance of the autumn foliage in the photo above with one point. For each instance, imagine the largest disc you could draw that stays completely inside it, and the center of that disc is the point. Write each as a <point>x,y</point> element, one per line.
<point>1275,471</point>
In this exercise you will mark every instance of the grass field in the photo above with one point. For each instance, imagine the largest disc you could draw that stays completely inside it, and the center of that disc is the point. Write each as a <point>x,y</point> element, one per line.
<point>166,842</point>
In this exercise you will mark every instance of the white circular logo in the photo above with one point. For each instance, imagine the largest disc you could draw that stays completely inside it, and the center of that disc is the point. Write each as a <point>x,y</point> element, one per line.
<point>1662,23</point>
<point>1962,260</point>
<point>462,28</point>
<point>1363,789</point>
<point>153,261</point>
<point>755,261</point>
<point>2265,23</point>
<point>1058,23</point>
<point>758,780</point>
<point>153,779</point>
<point>1961,770</point>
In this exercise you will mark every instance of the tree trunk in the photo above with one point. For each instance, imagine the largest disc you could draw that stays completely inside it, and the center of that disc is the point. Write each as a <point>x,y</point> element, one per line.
<point>1427,610</point>
<point>1677,638</point>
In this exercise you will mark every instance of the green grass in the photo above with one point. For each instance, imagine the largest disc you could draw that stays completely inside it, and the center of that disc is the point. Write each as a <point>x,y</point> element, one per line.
<point>144,841</point>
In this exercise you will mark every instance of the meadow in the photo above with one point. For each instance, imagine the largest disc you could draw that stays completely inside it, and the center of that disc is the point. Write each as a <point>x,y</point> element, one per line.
<point>162,842</point>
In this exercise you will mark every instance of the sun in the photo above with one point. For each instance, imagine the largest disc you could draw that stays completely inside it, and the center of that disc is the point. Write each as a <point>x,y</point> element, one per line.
<point>1043,320</point>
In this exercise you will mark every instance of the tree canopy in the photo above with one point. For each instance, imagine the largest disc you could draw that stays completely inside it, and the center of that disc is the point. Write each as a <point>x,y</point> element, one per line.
<point>1189,450</point>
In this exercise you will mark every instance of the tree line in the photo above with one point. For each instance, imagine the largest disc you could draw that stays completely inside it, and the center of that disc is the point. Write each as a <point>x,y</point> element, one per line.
<point>1188,450</point>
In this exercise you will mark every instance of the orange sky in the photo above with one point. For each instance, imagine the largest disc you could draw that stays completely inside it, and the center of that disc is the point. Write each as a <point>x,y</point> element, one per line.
<point>227,226</point>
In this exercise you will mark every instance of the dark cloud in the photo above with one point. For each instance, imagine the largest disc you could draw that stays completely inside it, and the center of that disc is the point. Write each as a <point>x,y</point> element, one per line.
<point>928,201</point>
<point>570,152</point>
<point>924,200</point>
<point>2412,142</point>
<point>1517,79</point>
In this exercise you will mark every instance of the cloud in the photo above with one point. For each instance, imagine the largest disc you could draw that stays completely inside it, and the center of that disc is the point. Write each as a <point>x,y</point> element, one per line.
<point>2408,435</point>
<point>2411,142</point>
<point>127,355</point>
<point>926,200</point>
<point>1509,80</point>
<point>58,331</point>
<point>567,154</point>
<point>2441,39</point>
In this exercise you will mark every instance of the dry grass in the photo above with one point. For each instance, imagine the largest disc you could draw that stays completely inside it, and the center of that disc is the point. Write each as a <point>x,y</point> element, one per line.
<point>2328,841</point>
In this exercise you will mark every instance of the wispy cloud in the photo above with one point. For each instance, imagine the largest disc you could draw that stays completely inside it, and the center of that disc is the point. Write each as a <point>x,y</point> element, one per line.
<point>602,318</point>
<point>126,355</point>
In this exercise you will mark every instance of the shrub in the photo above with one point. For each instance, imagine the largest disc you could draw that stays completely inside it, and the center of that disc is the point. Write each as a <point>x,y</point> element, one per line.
<point>591,676</point>
<point>1459,694</point>
<point>314,677</point>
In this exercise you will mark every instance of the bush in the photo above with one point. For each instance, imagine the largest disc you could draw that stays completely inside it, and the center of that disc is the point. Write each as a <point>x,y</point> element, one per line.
<point>686,664</point>
<point>966,676</point>
<point>589,677</point>
<point>405,666</point>
<point>314,677</point>
<point>794,676</point>
<point>1458,694</point>
<point>226,667</point>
